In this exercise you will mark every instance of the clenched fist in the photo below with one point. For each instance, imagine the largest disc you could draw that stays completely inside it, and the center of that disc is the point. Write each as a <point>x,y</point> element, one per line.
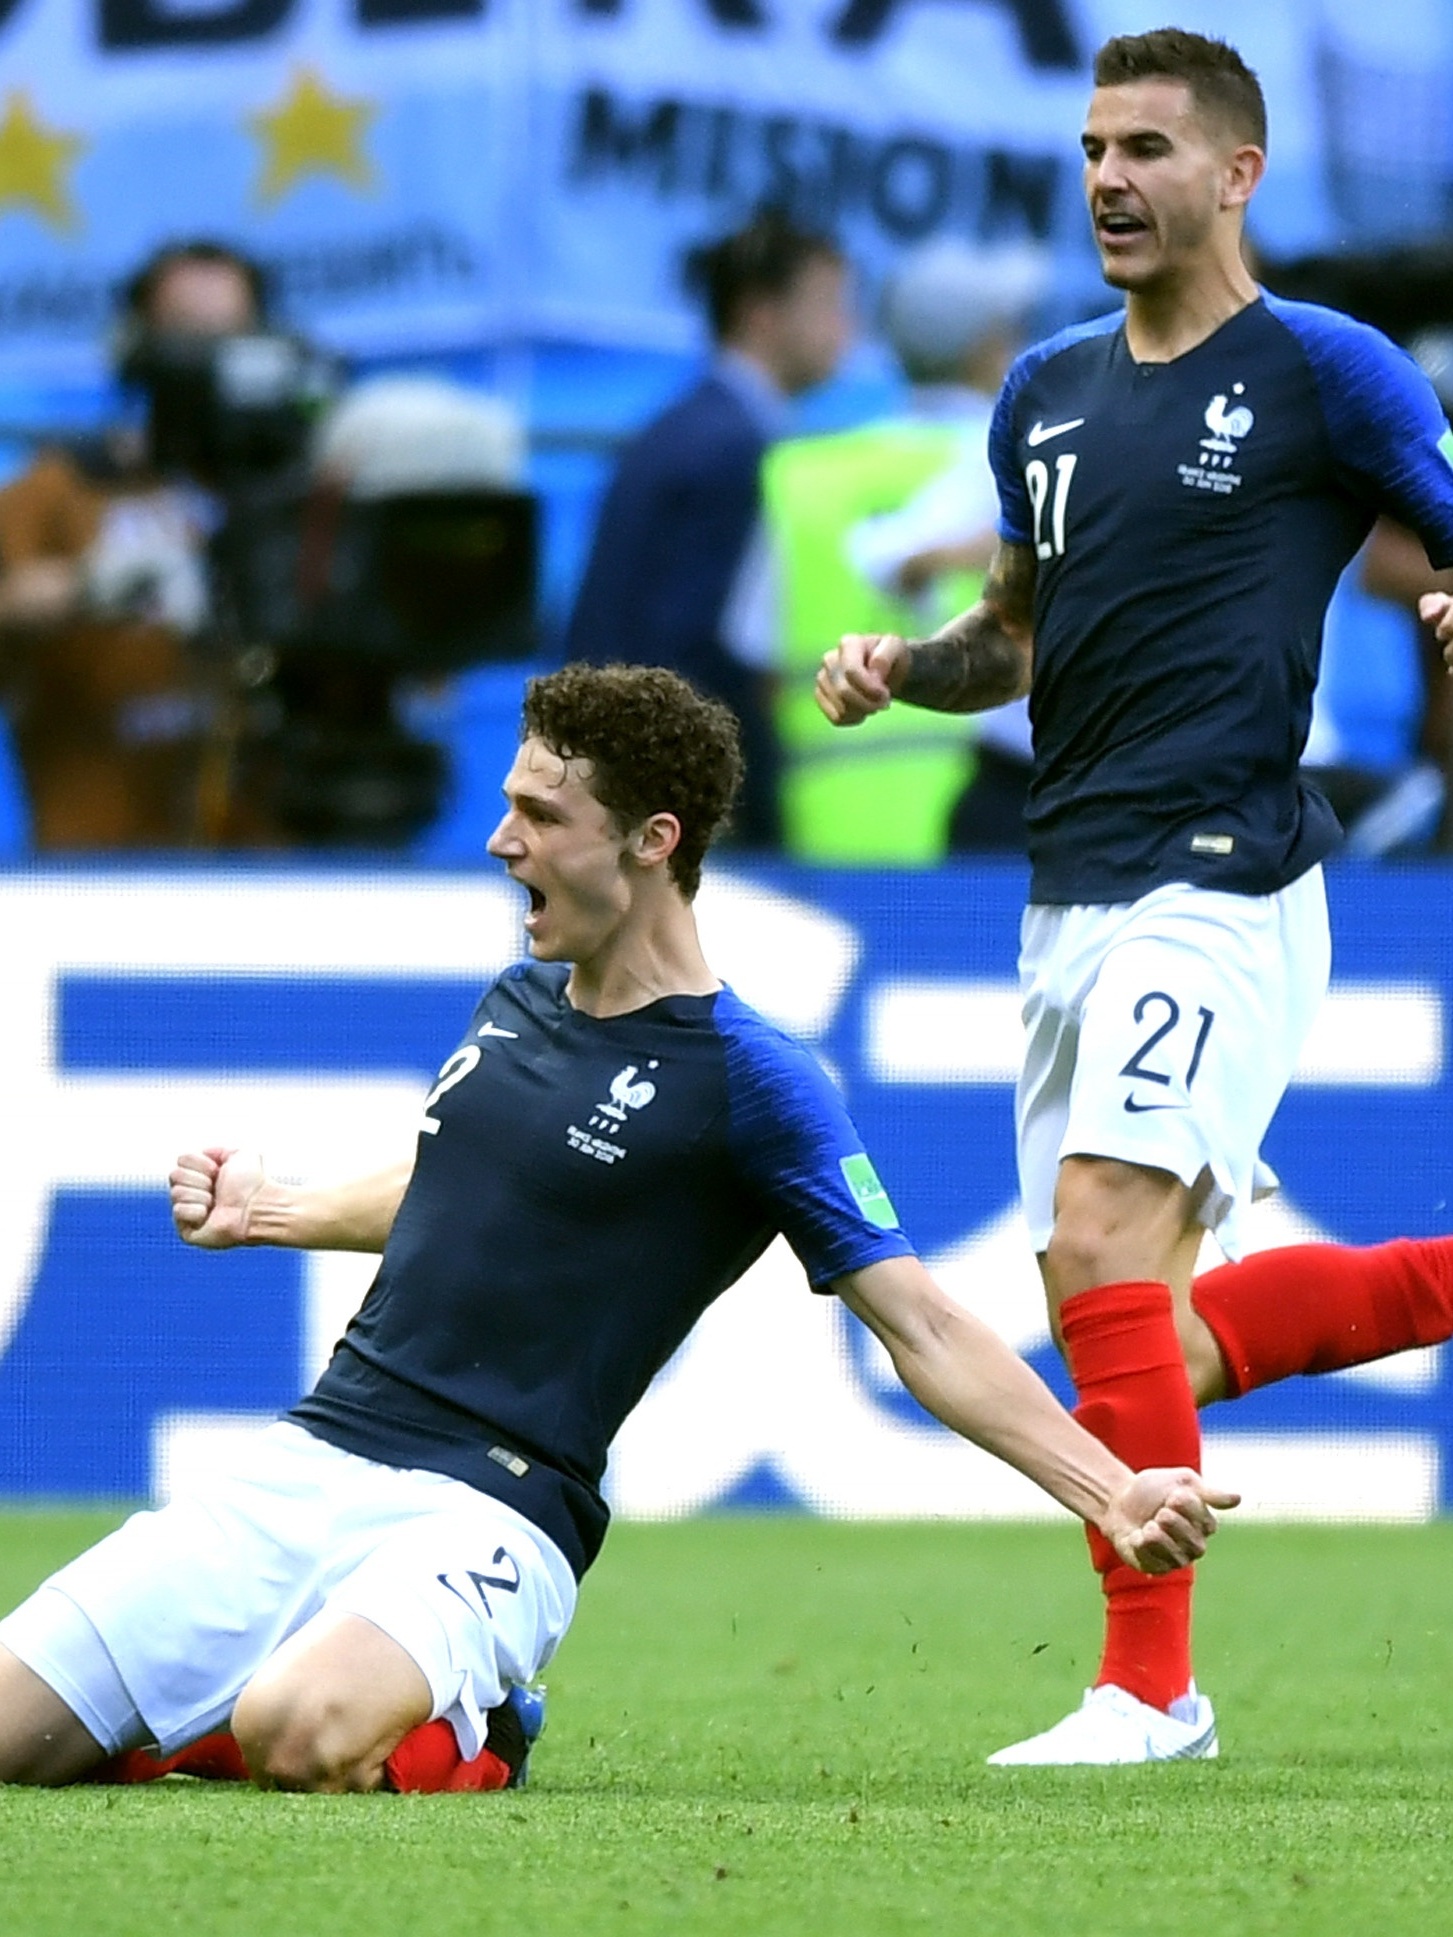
<point>212,1192</point>
<point>860,675</point>
<point>1162,1518</point>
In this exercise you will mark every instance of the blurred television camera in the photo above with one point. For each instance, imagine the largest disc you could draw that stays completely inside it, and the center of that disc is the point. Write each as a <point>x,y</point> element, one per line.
<point>213,620</point>
<point>378,543</point>
<point>364,542</point>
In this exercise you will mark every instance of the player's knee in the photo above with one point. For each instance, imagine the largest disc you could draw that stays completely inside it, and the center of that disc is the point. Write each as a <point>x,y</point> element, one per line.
<point>1112,1221</point>
<point>296,1739</point>
<point>1080,1252</point>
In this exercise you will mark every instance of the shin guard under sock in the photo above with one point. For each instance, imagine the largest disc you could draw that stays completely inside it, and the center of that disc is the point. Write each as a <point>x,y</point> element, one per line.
<point>1320,1307</point>
<point>1125,1358</point>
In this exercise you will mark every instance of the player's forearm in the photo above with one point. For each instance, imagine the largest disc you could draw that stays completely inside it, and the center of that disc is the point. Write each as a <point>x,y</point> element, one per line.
<point>353,1216</point>
<point>967,1376</point>
<point>1395,566</point>
<point>972,663</point>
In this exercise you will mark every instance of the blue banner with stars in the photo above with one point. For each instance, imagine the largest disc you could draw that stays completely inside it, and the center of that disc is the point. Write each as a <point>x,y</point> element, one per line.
<point>438,173</point>
<point>365,154</point>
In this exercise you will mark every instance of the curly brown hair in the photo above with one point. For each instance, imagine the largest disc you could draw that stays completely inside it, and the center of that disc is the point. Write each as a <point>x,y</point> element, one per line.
<point>1222,86</point>
<point>657,746</point>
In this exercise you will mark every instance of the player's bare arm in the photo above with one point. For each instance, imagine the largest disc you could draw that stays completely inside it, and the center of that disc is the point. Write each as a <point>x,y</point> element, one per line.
<point>980,659</point>
<point>968,1377</point>
<point>222,1198</point>
<point>1436,609</point>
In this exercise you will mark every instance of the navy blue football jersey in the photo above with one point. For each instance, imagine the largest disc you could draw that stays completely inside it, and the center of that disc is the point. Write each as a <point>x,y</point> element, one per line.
<point>1190,520</point>
<point>584,1187</point>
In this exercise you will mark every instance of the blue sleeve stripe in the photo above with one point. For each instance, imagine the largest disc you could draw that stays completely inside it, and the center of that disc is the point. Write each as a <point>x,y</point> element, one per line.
<point>790,1133</point>
<point>1384,423</point>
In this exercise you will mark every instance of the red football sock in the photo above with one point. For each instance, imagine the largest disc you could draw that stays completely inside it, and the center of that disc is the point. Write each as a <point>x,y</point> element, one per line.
<point>215,1758</point>
<point>1319,1307</point>
<point>1125,1358</point>
<point>428,1761</point>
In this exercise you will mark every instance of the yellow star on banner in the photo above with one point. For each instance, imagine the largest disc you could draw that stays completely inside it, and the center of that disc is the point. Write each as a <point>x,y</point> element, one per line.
<point>33,159</point>
<point>313,132</point>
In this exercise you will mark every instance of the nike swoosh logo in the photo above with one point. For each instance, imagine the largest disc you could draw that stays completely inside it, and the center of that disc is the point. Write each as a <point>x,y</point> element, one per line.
<point>1042,432</point>
<point>493,1029</point>
<point>1139,1109</point>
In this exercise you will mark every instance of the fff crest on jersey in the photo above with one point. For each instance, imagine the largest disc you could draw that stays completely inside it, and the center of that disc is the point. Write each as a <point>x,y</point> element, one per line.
<point>626,1094</point>
<point>599,1139</point>
<point>1227,424</point>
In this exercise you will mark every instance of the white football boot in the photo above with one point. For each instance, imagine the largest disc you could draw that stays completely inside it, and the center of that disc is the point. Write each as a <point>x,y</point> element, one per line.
<point>1112,1726</point>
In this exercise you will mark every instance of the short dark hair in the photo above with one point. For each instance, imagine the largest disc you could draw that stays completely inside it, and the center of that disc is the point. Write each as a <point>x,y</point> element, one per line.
<point>1222,86</point>
<point>763,259</point>
<point>657,746</point>
<point>139,289</point>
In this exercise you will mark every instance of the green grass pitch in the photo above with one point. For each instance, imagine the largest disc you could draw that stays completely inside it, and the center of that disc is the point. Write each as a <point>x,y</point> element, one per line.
<point>778,1726</point>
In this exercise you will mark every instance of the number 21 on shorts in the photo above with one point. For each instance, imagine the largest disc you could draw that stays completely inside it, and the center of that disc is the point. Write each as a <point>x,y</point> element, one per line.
<point>1163,1013</point>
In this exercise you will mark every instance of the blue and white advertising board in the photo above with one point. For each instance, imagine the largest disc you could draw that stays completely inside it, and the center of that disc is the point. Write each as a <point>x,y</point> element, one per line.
<point>144,1013</point>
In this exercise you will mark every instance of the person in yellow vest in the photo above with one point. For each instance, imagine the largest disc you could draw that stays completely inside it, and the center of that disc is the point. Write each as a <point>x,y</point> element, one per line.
<point>888,528</point>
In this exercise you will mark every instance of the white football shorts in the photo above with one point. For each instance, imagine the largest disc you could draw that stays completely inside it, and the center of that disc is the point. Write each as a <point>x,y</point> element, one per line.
<point>153,1633</point>
<point>1162,1032</point>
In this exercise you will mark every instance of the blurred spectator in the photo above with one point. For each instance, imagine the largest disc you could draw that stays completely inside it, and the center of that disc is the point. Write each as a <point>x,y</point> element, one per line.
<point>1417,812</point>
<point>888,528</point>
<point>680,513</point>
<point>1369,714</point>
<point>1382,722</point>
<point>101,580</point>
<point>1383,756</point>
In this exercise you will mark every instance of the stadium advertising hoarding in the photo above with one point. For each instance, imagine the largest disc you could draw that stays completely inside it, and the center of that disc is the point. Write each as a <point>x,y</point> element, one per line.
<point>308,1013</point>
<point>437,172</point>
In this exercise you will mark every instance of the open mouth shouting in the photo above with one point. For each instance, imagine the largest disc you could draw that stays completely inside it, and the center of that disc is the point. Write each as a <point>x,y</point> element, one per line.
<point>1118,227</point>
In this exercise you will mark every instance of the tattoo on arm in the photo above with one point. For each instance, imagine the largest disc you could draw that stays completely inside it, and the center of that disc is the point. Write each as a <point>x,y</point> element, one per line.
<point>983,657</point>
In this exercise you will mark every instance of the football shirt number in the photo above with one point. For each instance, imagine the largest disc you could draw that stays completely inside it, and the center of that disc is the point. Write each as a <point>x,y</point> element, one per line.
<point>1036,478</point>
<point>454,1071</point>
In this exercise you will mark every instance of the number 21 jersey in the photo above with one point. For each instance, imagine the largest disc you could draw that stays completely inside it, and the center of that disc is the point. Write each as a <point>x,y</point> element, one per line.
<point>1189,521</point>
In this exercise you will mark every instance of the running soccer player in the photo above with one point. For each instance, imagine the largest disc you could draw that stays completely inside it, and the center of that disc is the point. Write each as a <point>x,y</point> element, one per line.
<point>367,1596</point>
<point>1180,485</point>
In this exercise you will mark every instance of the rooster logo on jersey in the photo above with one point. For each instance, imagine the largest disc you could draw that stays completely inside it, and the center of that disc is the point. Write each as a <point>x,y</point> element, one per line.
<point>1220,450</point>
<point>626,1094</point>
<point>1227,427</point>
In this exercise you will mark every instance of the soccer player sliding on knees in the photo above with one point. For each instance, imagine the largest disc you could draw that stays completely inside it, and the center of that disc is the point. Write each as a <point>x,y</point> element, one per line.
<point>364,1598</point>
<point>1180,486</point>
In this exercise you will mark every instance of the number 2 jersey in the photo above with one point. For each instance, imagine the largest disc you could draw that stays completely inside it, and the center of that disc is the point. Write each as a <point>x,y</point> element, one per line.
<point>584,1188</point>
<point>1189,521</point>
